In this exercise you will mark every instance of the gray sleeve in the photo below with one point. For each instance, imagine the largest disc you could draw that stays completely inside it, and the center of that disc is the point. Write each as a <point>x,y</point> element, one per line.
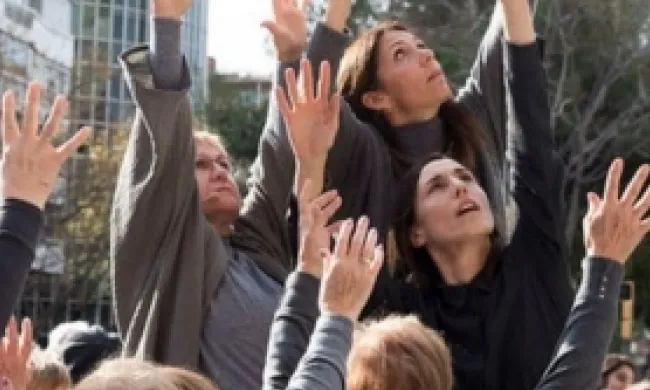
<point>588,330</point>
<point>355,141</point>
<point>291,329</point>
<point>159,234</point>
<point>20,225</point>
<point>324,364</point>
<point>165,55</point>
<point>262,226</point>
<point>483,92</point>
<point>327,45</point>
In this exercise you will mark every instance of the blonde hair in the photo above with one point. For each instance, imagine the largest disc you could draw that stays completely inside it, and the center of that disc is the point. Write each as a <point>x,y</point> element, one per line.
<point>186,380</point>
<point>47,372</point>
<point>135,374</point>
<point>398,353</point>
<point>210,139</point>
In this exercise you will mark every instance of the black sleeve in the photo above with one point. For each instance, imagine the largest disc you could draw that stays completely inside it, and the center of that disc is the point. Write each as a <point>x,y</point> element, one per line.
<point>20,224</point>
<point>536,175</point>
<point>588,330</point>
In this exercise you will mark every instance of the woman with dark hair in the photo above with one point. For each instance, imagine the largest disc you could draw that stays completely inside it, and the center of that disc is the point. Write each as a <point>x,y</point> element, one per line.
<point>398,106</point>
<point>500,306</point>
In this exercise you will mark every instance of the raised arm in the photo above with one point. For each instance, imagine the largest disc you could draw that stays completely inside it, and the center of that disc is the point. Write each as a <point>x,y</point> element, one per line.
<point>484,91</point>
<point>163,251</point>
<point>536,171</point>
<point>613,228</point>
<point>298,311</point>
<point>28,170</point>
<point>263,224</point>
<point>588,330</point>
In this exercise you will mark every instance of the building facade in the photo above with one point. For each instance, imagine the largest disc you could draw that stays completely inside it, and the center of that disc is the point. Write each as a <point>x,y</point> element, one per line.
<point>105,28</point>
<point>36,43</point>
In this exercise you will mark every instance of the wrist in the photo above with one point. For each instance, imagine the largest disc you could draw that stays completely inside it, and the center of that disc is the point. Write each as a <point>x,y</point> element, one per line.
<point>11,193</point>
<point>606,255</point>
<point>337,14</point>
<point>290,55</point>
<point>306,267</point>
<point>350,315</point>
<point>166,15</point>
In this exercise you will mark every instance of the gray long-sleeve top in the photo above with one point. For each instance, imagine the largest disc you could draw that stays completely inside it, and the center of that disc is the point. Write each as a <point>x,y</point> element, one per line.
<point>20,224</point>
<point>167,261</point>
<point>309,352</point>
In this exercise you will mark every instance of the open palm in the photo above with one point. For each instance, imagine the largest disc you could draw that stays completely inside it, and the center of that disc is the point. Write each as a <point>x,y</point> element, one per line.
<point>312,119</point>
<point>170,8</point>
<point>15,350</point>
<point>30,163</point>
<point>288,28</point>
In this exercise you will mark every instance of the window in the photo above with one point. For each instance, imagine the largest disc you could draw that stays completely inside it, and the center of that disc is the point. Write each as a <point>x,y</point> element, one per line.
<point>19,15</point>
<point>14,54</point>
<point>88,21</point>
<point>118,24</point>
<point>36,5</point>
<point>104,22</point>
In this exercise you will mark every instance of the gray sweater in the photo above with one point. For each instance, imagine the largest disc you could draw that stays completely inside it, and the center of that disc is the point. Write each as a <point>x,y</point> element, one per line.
<point>167,261</point>
<point>308,352</point>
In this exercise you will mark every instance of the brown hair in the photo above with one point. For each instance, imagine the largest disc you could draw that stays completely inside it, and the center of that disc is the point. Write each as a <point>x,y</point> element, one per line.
<point>185,379</point>
<point>398,353</point>
<point>417,260</point>
<point>136,374</point>
<point>358,75</point>
<point>612,363</point>
<point>47,372</point>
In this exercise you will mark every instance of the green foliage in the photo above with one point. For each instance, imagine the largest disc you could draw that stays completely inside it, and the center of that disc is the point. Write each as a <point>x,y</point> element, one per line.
<point>231,114</point>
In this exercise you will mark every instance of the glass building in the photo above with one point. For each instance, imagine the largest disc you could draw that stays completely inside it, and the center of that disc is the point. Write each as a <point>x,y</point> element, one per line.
<point>72,280</point>
<point>105,28</point>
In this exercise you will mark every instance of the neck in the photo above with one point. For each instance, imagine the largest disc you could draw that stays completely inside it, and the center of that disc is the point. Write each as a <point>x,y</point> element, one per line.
<point>222,226</point>
<point>461,262</point>
<point>408,117</point>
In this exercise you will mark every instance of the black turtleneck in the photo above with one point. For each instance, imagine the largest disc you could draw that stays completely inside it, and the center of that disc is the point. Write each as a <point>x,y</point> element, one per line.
<point>502,328</point>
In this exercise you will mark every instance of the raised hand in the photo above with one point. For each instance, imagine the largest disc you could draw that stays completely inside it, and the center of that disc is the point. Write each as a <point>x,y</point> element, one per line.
<point>614,226</point>
<point>30,164</point>
<point>349,274</point>
<point>312,118</point>
<point>315,234</point>
<point>288,28</point>
<point>337,14</point>
<point>170,9</point>
<point>14,355</point>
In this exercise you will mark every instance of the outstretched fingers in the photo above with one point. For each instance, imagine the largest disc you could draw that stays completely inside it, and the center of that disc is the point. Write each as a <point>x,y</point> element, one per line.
<point>71,145</point>
<point>10,128</point>
<point>55,119</point>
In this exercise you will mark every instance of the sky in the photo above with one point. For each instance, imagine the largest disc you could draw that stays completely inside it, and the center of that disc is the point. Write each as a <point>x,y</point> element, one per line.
<point>235,38</point>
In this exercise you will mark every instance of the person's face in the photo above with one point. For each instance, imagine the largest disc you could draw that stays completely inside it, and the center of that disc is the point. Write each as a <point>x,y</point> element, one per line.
<point>450,206</point>
<point>412,83</point>
<point>218,191</point>
<point>620,379</point>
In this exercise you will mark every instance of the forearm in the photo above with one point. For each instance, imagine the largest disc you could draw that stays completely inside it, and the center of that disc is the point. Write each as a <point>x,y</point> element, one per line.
<point>313,171</point>
<point>588,330</point>
<point>291,330</point>
<point>165,56</point>
<point>20,224</point>
<point>337,14</point>
<point>518,21</point>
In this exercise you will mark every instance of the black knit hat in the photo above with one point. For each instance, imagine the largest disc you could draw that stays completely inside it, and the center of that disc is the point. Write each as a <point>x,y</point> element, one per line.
<point>82,347</point>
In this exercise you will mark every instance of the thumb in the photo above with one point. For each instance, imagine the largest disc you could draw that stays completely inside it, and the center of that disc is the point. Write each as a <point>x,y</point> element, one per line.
<point>272,27</point>
<point>593,201</point>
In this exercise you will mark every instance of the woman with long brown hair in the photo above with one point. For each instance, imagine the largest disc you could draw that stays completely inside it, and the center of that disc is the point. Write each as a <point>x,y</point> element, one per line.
<point>397,104</point>
<point>499,307</point>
